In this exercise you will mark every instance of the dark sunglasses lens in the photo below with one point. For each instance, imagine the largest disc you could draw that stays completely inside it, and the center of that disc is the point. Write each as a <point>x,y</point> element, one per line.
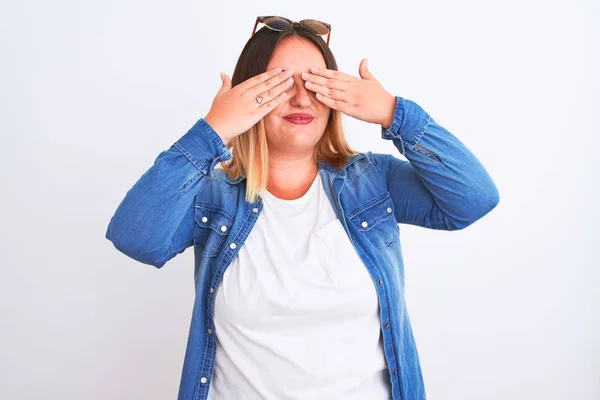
<point>276,23</point>
<point>316,26</point>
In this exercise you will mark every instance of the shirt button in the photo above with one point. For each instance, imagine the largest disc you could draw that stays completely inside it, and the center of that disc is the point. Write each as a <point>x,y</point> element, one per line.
<point>364,224</point>
<point>209,331</point>
<point>395,372</point>
<point>212,289</point>
<point>379,282</point>
<point>387,325</point>
<point>204,219</point>
<point>203,379</point>
<point>255,210</point>
<point>223,228</point>
<point>232,246</point>
<point>389,210</point>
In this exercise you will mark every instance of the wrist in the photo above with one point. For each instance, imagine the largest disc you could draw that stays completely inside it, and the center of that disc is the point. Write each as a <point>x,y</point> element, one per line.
<point>217,128</point>
<point>390,108</point>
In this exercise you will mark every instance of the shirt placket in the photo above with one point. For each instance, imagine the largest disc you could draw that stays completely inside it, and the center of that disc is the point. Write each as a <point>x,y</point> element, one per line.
<point>231,248</point>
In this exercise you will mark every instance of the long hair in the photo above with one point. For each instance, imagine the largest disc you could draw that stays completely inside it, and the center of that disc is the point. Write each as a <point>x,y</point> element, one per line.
<point>250,152</point>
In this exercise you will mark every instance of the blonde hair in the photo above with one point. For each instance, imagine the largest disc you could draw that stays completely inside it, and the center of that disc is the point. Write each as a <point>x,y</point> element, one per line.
<point>251,154</point>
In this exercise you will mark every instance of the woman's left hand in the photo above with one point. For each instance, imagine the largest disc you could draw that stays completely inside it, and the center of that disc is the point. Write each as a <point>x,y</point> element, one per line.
<point>363,98</point>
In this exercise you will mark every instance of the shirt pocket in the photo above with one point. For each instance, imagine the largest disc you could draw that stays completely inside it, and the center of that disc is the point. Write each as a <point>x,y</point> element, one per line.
<point>213,225</point>
<point>376,220</point>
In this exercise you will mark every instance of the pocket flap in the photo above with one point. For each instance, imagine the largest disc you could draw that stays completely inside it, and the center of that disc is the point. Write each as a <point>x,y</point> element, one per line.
<point>213,217</point>
<point>373,212</point>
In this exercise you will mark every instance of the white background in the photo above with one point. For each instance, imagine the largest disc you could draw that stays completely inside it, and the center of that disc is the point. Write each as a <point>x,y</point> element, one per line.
<point>92,92</point>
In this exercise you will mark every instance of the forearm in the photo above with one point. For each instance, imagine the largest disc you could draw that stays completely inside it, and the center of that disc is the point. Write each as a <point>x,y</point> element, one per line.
<point>154,222</point>
<point>461,188</point>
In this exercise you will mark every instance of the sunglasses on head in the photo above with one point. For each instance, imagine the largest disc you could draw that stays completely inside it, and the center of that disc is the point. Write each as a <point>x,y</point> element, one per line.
<point>280,23</point>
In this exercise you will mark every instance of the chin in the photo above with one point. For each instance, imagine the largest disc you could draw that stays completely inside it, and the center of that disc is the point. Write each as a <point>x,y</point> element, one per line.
<point>301,139</point>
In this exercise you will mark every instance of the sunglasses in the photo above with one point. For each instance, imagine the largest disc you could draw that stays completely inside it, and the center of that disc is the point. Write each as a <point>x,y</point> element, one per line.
<point>280,23</point>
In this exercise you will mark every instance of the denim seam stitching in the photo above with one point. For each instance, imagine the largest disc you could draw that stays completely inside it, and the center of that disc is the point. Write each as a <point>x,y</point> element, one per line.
<point>190,157</point>
<point>420,135</point>
<point>368,205</point>
<point>189,182</point>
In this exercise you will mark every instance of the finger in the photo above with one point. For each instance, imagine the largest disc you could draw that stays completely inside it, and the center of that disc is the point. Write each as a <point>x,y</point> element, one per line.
<point>272,82</point>
<point>267,107</point>
<point>328,92</point>
<point>326,82</point>
<point>260,78</point>
<point>226,83</point>
<point>332,74</point>
<point>269,93</point>
<point>331,103</point>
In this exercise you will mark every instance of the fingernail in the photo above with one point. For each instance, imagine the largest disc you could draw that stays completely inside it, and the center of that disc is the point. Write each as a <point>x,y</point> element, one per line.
<point>314,70</point>
<point>305,76</point>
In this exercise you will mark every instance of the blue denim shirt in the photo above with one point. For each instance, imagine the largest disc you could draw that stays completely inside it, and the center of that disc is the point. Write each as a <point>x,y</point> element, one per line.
<point>184,201</point>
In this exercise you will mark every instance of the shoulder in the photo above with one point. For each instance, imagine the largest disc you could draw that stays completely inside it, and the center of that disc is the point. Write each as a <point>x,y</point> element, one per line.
<point>217,188</point>
<point>368,168</point>
<point>363,161</point>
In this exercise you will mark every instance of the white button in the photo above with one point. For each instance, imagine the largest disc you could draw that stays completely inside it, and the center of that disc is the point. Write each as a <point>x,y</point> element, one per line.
<point>389,210</point>
<point>223,228</point>
<point>255,210</point>
<point>209,331</point>
<point>203,379</point>
<point>212,289</point>
<point>232,246</point>
<point>364,224</point>
<point>204,219</point>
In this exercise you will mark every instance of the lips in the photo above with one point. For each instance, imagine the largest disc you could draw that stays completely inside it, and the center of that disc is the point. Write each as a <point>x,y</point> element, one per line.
<point>299,119</point>
<point>298,116</point>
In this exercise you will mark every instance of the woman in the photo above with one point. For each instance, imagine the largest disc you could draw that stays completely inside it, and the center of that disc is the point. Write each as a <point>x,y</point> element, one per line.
<point>298,268</point>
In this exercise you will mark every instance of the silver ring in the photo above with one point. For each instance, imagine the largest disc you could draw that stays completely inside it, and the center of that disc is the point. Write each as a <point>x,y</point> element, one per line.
<point>259,99</point>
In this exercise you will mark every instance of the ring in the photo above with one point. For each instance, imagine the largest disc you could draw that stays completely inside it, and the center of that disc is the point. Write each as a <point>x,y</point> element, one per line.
<point>259,99</point>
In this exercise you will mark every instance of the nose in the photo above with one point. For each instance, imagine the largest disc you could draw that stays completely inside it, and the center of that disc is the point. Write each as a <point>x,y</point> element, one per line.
<point>299,95</point>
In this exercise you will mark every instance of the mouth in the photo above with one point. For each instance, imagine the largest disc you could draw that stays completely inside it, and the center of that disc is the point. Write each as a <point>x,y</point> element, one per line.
<point>299,119</point>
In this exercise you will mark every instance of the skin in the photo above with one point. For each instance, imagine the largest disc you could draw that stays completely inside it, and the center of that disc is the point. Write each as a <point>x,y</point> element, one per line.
<point>316,91</point>
<point>292,168</point>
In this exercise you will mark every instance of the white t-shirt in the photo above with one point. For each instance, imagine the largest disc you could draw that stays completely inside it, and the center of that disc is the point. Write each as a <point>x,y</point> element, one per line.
<point>297,316</point>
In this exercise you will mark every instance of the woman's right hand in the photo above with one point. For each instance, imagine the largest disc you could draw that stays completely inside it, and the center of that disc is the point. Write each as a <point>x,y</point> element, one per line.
<point>235,110</point>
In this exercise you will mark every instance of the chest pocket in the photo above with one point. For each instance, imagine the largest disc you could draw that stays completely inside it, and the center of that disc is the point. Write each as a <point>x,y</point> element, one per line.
<point>212,228</point>
<point>376,221</point>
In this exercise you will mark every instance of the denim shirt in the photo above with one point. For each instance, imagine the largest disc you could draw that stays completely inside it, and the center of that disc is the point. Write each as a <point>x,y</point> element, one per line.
<point>182,200</point>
